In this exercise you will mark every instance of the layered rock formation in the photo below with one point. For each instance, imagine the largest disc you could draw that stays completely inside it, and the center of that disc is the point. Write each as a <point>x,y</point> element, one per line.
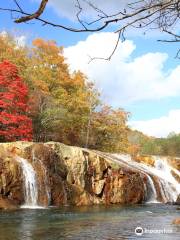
<point>66,176</point>
<point>44,174</point>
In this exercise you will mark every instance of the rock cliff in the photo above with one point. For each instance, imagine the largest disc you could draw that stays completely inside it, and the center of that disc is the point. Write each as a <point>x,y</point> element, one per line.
<point>65,175</point>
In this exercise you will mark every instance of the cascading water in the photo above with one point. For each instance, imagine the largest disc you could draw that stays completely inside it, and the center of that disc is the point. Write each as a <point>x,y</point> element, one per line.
<point>30,184</point>
<point>168,185</point>
<point>46,182</point>
<point>168,182</point>
<point>151,194</point>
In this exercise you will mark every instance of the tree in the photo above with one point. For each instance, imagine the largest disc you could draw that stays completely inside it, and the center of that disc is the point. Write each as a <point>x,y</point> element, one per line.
<point>58,100</point>
<point>14,122</point>
<point>9,50</point>
<point>109,131</point>
<point>142,14</point>
<point>64,106</point>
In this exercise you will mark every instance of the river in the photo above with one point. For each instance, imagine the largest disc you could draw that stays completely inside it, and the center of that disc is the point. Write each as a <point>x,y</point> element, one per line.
<point>112,222</point>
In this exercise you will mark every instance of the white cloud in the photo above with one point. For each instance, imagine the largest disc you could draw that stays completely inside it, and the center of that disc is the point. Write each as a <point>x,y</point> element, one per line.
<point>123,80</point>
<point>159,127</point>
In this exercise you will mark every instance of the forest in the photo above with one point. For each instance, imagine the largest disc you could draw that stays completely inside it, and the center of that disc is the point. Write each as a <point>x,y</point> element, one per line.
<point>63,106</point>
<point>145,145</point>
<point>41,100</point>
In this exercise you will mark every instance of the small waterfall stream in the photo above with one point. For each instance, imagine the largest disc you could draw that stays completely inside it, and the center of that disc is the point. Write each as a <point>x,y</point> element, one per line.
<point>168,185</point>
<point>161,184</point>
<point>30,184</point>
<point>168,182</point>
<point>46,182</point>
<point>151,195</point>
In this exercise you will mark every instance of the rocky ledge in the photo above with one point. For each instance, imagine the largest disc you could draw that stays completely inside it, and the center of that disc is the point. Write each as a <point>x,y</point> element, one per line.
<point>66,175</point>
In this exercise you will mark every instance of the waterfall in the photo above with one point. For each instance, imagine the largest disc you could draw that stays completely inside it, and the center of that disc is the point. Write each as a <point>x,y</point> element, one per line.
<point>46,182</point>
<point>151,193</point>
<point>30,184</point>
<point>151,190</point>
<point>169,187</point>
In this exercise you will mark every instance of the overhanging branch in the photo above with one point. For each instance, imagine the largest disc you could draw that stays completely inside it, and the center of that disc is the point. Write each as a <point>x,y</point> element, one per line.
<point>163,15</point>
<point>34,15</point>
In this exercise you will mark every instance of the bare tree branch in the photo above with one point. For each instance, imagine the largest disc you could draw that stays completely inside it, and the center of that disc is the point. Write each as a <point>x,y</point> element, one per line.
<point>78,14</point>
<point>34,15</point>
<point>163,15</point>
<point>155,7</point>
<point>18,5</point>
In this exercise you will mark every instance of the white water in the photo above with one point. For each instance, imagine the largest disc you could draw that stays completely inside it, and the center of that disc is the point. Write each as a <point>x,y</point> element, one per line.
<point>151,195</point>
<point>168,185</point>
<point>30,184</point>
<point>46,182</point>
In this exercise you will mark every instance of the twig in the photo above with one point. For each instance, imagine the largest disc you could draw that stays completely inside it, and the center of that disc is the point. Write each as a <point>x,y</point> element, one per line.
<point>120,34</point>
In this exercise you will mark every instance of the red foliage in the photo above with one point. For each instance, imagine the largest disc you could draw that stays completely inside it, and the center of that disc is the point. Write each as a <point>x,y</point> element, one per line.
<point>14,123</point>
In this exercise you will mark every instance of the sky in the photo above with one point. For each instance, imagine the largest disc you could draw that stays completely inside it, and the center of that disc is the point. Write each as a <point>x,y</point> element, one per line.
<point>143,76</point>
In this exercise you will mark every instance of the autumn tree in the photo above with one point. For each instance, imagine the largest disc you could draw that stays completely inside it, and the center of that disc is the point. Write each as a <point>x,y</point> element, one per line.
<point>109,131</point>
<point>61,105</point>
<point>16,54</point>
<point>58,100</point>
<point>64,106</point>
<point>14,122</point>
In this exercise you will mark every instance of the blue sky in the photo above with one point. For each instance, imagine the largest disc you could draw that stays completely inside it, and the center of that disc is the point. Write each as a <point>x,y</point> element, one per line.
<point>143,76</point>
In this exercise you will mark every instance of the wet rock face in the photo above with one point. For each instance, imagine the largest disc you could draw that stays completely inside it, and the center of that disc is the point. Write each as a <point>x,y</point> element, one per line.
<point>67,175</point>
<point>51,174</point>
<point>6,203</point>
<point>148,160</point>
<point>178,200</point>
<point>134,193</point>
<point>94,179</point>
<point>11,182</point>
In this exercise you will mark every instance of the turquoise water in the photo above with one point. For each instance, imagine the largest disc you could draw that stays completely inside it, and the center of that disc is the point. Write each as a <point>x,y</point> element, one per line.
<point>97,223</point>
